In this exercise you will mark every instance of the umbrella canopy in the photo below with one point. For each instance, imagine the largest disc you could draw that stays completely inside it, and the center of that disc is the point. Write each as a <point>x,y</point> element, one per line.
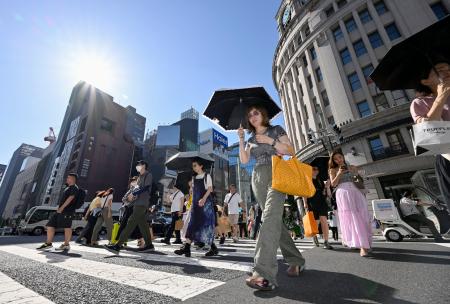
<point>229,107</point>
<point>407,62</point>
<point>182,161</point>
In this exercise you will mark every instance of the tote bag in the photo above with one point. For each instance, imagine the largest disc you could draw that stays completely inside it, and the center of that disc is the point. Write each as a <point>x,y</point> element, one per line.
<point>310,224</point>
<point>431,138</point>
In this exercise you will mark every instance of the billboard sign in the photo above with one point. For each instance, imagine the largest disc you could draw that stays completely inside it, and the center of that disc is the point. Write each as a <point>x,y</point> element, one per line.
<point>220,144</point>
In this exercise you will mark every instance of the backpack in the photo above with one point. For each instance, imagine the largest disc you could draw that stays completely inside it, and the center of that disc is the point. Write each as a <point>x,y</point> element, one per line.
<point>79,199</point>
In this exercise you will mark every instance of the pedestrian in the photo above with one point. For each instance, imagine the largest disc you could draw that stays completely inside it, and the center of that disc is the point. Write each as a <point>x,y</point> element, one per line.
<point>176,209</point>
<point>91,218</point>
<point>408,206</point>
<point>318,205</point>
<point>242,222</point>
<point>202,223</point>
<point>127,209</point>
<point>63,216</point>
<point>265,142</point>
<point>353,213</point>
<point>140,199</point>
<point>333,224</point>
<point>232,202</point>
<point>433,104</point>
<point>251,220</point>
<point>187,211</point>
<point>104,217</point>
<point>258,217</point>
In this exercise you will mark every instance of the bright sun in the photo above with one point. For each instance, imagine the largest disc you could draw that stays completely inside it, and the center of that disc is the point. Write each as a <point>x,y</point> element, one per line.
<point>94,68</point>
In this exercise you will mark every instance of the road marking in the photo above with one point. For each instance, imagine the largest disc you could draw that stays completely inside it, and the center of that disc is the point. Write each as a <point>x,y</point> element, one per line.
<point>12,292</point>
<point>442,244</point>
<point>239,266</point>
<point>174,285</point>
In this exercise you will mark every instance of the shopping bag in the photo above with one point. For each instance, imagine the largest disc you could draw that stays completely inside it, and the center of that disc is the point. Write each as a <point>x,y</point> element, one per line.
<point>179,225</point>
<point>310,225</point>
<point>431,138</point>
<point>114,236</point>
<point>292,177</point>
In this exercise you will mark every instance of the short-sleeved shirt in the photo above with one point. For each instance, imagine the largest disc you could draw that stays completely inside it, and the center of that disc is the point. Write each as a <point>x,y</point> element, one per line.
<point>263,152</point>
<point>175,199</point>
<point>233,202</point>
<point>408,206</point>
<point>143,198</point>
<point>69,191</point>
<point>105,200</point>
<point>422,105</point>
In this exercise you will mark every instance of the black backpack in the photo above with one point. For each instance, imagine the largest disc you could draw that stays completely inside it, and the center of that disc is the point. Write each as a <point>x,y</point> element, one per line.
<point>79,199</point>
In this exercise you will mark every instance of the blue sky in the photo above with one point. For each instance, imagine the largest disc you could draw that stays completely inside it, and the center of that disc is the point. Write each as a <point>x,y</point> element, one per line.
<point>161,57</point>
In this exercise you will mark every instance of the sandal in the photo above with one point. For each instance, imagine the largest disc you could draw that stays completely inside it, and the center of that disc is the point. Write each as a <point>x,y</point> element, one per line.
<point>294,271</point>
<point>259,284</point>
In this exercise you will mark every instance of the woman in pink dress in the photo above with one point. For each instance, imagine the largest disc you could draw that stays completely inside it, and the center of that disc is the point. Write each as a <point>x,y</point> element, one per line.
<point>352,208</point>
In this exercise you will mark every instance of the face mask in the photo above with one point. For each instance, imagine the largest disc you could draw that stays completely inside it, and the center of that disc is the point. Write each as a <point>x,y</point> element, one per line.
<point>138,168</point>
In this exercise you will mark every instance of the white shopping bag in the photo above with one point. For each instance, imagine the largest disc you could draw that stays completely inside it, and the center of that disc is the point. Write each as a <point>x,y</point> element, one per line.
<point>431,138</point>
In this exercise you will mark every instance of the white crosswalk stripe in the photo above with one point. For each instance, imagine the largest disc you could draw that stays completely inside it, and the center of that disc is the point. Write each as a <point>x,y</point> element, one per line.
<point>12,292</point>
<point>232,256</point>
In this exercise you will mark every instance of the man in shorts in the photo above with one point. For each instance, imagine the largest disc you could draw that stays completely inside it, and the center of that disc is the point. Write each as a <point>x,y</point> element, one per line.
<point>63,216</point>
<point>232,202</point>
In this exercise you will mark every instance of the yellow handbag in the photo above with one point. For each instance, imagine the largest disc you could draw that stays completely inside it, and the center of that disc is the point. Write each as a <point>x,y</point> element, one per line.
<point>292,176</point>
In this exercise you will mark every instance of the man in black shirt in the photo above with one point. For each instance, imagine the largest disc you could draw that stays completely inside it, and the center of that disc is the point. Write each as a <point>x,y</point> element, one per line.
<point>63,216</point>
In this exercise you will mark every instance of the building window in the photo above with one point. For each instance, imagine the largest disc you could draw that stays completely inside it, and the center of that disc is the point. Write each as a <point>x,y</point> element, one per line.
<point>341,3</point>
<point>310,84</point>
<point>353,79</point>
<point>350,24</point>
<point>380,7</point>
<point>306,111</point>
<point>313,53</point>
<point>326,101</point>
<point>376,147</point>
<point>305,62</point>
<point>301,88</point>
<point>364,15</point>
<point>329,11</point>
<point>381,102</point>
<point>439,10</point>
<point>375,40</point>
<point>331,120</point>
<point>396,143</point>
<point>337,33</point>
<point>345,56</point>
<point>299,40</point>
<point>364,109</point>
<point>319,74</point>
<point>367,70</point>
<point>399,96</point>
<point>307,31</point>
<point>360,48</point>
<point>392,31</point>
<point>107,125</point>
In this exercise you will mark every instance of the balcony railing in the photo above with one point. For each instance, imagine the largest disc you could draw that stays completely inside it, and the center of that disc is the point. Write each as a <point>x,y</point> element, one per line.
<point>382,153</point>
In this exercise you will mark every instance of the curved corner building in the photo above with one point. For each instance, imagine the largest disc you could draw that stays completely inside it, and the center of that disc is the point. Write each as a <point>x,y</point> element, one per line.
<point>326,50</point>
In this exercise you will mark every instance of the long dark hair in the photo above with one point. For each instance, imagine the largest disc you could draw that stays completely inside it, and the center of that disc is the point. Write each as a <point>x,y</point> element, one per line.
<point>265,122</point>
<point>331,163</point>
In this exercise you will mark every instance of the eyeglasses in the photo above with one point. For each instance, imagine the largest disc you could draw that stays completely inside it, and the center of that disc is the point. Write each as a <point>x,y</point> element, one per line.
<point>253,113</point>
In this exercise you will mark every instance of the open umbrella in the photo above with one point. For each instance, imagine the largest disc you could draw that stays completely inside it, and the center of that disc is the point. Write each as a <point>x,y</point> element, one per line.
<point>406,62</point>
<point>228,107</point>
<point>182,161</point>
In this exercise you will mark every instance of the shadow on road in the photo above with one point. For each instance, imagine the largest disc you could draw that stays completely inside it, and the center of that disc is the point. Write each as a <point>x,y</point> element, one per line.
<point>315,286</point>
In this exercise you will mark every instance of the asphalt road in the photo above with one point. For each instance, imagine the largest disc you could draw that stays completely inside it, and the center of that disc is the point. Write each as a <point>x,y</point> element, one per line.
<point>407,272</point>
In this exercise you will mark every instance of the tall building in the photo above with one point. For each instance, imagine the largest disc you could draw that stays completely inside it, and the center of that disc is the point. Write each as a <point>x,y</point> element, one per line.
<point>191,114</point>
<point>241,174</point>
<point>216,145</point>
<point>326,51</point>
<point>188,134</point>
<point>14,167</point>
<point>2,172</point>
<point>135,125</point>
<point>94,143</point>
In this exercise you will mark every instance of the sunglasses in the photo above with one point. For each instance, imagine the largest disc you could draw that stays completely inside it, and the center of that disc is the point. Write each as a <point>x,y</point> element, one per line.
<point>253,113</point>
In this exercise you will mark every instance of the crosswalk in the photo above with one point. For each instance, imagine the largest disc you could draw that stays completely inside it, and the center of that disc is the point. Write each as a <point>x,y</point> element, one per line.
<point>152,274</point>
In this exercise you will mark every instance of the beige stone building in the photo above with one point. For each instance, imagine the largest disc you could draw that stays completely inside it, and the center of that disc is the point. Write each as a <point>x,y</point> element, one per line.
<point>326,51</point>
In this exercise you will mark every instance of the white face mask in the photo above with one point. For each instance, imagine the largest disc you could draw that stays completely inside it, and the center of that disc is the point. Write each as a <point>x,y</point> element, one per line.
<point>138,168</point>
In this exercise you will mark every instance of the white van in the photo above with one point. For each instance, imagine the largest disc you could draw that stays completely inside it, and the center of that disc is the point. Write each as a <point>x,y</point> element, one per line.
<point>38,216</point>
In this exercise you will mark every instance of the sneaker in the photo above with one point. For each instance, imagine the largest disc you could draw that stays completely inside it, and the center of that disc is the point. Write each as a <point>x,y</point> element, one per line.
<point>316,241</point>
<point>327,245</point>
<point>149,248</point>
<point>165,241</point>
<point>45,246</point>
<point>112,248</point>
<point>178,242</point>
<point>63,247</point>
